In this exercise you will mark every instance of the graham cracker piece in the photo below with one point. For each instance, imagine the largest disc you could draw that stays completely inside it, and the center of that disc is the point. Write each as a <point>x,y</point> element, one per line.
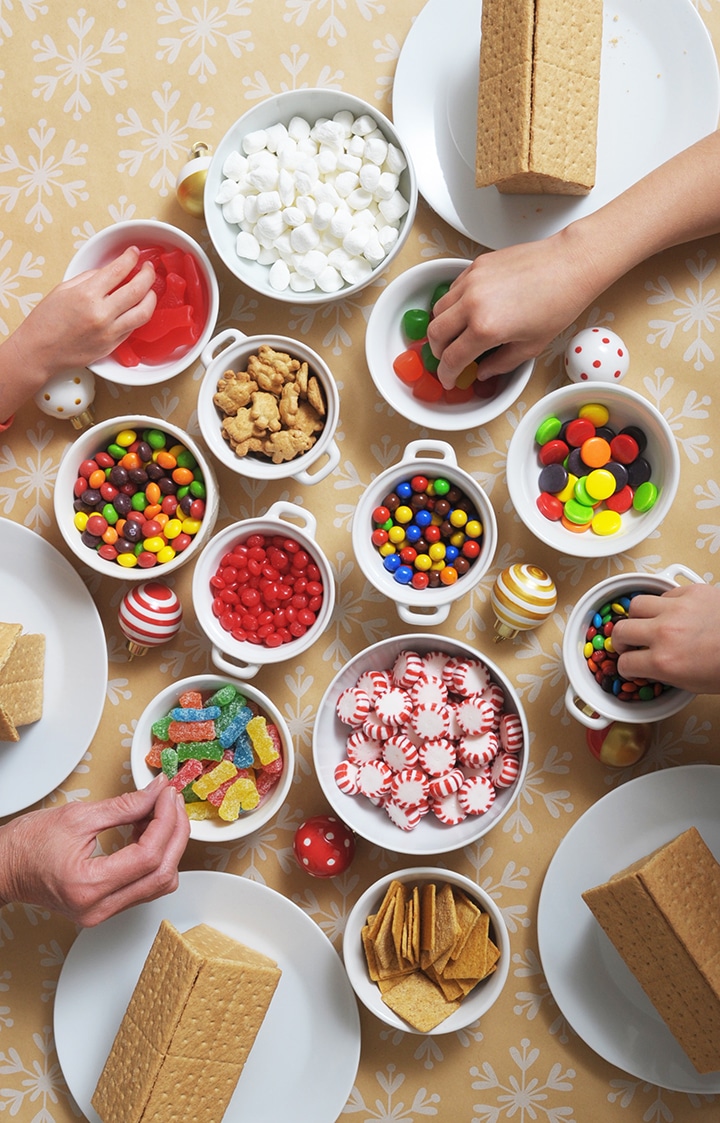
<point>418,1000</point>
<point>22,679</point>
<point>8,635</point>
<point>538,97</point>
<point>661,915</point>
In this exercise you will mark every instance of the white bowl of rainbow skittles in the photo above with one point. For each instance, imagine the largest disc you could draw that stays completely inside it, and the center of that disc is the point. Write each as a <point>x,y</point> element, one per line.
<point>190,729</point>
<point>596,694</point>
<point>403,368</point>
<point>135,495</point>
<point>424,532</point>
<point>244,584</point>
<point>268,407</point>
<point>600,438</point>
<point>187,305</point>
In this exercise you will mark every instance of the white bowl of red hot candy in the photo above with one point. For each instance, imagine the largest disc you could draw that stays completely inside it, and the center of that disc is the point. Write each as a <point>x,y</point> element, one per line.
<point>420,744</point>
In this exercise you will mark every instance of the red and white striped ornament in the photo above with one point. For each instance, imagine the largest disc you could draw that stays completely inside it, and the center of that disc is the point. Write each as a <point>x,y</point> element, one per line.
<point>149,616</point>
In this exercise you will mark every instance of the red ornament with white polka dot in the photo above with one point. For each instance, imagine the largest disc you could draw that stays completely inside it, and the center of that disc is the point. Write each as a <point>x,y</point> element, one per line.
<point>324,846</point>
<point>596,355</point>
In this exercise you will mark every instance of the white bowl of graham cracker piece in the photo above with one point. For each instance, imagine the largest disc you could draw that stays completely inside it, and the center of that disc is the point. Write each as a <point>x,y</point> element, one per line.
<point>468,926</point>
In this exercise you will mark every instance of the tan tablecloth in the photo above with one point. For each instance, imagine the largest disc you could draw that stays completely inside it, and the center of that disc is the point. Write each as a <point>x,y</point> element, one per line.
<point>99,106</point>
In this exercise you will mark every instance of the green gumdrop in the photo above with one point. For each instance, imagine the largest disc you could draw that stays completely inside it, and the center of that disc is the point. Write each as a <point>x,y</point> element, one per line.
<point>415,323</point>
<point>429,361</point>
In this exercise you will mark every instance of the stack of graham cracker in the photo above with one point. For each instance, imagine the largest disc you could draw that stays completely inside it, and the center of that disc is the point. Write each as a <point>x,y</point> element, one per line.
<point>538,96</point>
<point>22,668</point>
<point>188,1029</point>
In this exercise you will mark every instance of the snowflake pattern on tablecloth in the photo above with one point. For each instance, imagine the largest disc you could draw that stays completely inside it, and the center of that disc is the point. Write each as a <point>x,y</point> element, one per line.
<point>78,64</point>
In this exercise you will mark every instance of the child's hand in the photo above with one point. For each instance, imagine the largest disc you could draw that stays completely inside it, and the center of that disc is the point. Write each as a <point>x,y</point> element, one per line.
<point>673,639</point>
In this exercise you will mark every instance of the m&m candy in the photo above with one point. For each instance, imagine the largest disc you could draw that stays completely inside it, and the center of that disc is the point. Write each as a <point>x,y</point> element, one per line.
<point>601,657</point>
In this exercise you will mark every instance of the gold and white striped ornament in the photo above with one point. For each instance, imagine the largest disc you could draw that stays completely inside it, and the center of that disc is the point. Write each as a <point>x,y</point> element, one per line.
<point>522,597</point>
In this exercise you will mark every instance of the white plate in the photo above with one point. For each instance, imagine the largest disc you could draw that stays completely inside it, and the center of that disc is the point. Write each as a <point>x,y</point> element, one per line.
<point>40,590</point>
<point>595,991</point>
<point>312,1020</point>
<point>659,92</point>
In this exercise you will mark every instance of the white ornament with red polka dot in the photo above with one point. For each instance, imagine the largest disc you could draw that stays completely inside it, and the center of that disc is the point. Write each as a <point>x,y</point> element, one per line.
<point>596,355</point>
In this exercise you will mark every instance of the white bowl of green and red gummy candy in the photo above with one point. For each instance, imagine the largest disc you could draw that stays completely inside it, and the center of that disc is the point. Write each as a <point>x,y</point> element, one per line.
<point>294,528</point>
<point>201,294</point>
<point>310,168</point>
<point>215,829</point>
<point>435,461</point>
<point>97,439</point>
<point>231,350</point>
<point>371,822</point>
<point>585,698</point>
<point>626,408</point>
<point>385,340</point>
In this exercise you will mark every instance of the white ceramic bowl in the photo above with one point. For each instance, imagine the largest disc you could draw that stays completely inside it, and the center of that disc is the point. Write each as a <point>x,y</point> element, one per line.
<point>385,340</point>
<point>240,658</point>
<point>626,407</point>
<point>230,350</point>
<point>107,244</point>
<point>371,822</point>
<point>474,1005</point>
<point>97,438</point>
<point>432,459</point>
<point>215,830</point>
<point>310,105</point>
<point>584,698</point>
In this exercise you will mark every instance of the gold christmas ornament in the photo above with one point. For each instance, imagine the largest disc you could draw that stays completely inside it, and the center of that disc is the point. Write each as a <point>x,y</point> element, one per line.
<point>190,185</point>
<point>521,598</point>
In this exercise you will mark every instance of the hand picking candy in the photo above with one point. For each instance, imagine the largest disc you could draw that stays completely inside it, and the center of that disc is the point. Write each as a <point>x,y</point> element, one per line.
<point>601,657</point>
<point>267,590</point>
<point>430,734</point>
<point>180,312</point>
<point>140,500</point>
<point>427,532</point>
<point>591,474</point>
<point>219,751</point>
<point>417,366</point>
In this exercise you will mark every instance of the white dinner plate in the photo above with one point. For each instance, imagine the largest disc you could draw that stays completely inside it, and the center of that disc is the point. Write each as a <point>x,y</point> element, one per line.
<point>659,92</point>
<point>596,992</point>
<point>40,590</point>
<point>305,1057</point>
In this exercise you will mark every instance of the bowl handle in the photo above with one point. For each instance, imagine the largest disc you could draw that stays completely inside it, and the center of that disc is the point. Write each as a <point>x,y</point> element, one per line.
<point>289,512</point>
<point>583,712</point>
<point>332,461</point>
<point>218,343</point>
<point>444,451</point>
<point>434,614</point>
<point>677,569</point>
<point>232,667</point>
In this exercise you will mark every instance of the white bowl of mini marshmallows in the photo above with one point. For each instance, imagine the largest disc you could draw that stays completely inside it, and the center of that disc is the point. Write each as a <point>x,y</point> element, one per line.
<point>309,196</point>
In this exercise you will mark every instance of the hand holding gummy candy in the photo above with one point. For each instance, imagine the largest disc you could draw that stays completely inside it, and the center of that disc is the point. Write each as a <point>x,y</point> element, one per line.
<point>672,638</point>
<point>49,857</point>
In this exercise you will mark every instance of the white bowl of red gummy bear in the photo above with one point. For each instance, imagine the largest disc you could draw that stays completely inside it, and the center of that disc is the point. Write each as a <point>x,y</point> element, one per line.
<point>187,305</point>
<point>224,745</point>
<point>421,744</point>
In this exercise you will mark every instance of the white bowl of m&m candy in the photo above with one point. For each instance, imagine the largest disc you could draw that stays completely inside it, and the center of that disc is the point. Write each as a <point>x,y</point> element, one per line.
<point>187,304</point>
<point>224,746</point>
<point>135,494</point>
<point>263,590</point>
<point>420,744</point>
<point>403,367</point>
<point>593,469</point>
<point>424,532</point>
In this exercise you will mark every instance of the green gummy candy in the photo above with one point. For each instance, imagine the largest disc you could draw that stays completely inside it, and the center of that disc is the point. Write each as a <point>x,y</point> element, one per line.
<point>169,762</point>
<point>224,696</point>
<point>161,728</point>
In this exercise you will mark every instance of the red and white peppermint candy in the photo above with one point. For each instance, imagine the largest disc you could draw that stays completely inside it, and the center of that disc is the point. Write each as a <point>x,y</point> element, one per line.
<point>409,788</point>
<point>437,755</point>
<point>475,715</point>
<point>495,695</point>
<point>505,769</point>
<point>399,752</point>
<point>476,752</point>
<point>511,733</point>
<point>374,778</point>
<point>454,731</point>
<point>406,818</point>
<point>476,795</point>
<point>376,728</point>
<point>406,669</point>
<point>374,683</point>
<point>430,721</point>
<point>394,706</point>
<point>352,706</point>
<point>427,690</point>
<point>359,747</point>
<point>448,809</point>
<point>445,785</point>
<point>471,676</point>
<point>435,663</point>
<point>346,777</point>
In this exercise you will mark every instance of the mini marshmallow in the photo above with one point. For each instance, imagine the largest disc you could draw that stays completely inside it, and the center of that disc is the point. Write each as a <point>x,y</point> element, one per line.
<point>279,276</point>
<point>394,208</point>
<point>286,187</point>
<point>395,161</point>
<point>307,205</point>
<point>369,176</point>
<point>235,165</point>
<point>277,135</point>
<point>323,216</point>
<point>341,222</point>
<point>327,160</point>
<point>356,270</point>
<point>355,241</point>
<point>247,246</point>
<point>251,209</point>
<point>376,150</point>
<point>345,183</point>
<point>225,192</point>
<point>359,199</point>
<point>299,283</point>
<point>269,227</point>
<point>330,280</point>
<point>348,163</point>
<point>293,216</point>
<point>263,174</point>
<point>388,236</point>
<point>330,133</point>
<point>268,255</point>
<point>298,128</point>
<point>234,210</point>
<point>304,238</point>
<point>356,147</point>
<point>363,125</point>
<point>387,185</point>
<point>254,142</point>
<point>345,118</point>
<point>268,202</point>
<point>312,264</point>
<point>374,252</point>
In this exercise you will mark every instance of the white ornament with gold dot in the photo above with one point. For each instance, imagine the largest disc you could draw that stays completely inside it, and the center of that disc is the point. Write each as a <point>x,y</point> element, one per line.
<point>522,597</point>
<point>190,183</point>
<point>69,397</point>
